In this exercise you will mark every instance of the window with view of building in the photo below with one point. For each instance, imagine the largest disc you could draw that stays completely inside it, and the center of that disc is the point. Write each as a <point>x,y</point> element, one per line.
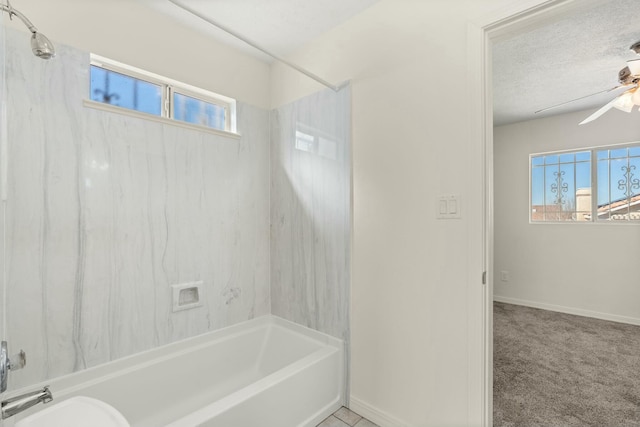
<point>125,91</point>
<point>127,87</point>
<point>618,184</point>
<point>599,184</point>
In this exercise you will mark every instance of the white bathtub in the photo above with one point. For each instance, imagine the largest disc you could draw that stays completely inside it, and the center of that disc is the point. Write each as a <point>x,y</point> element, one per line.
<point>266,372</point>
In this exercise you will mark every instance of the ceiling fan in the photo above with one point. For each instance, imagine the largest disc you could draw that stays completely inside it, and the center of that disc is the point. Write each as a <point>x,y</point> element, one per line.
<point>629,78</point>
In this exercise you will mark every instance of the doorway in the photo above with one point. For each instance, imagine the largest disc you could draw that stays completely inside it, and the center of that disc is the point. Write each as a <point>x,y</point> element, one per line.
<point>500,29</point>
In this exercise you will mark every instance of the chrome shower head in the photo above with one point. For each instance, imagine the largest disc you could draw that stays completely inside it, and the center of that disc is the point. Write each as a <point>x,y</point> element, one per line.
<point>42,46</point>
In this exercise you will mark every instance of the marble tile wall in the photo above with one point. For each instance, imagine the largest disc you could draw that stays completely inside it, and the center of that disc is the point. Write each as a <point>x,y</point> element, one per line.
<point>106,211</point>
<point>310,211</point>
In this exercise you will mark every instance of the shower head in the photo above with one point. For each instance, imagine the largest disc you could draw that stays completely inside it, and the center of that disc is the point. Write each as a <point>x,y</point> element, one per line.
<point>40,44</point>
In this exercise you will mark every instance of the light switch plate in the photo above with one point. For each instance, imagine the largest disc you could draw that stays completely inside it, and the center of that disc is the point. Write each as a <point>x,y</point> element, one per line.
<point>448,207</point>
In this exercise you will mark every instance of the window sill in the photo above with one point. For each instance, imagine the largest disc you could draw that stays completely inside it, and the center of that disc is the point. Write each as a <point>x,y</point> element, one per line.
<point>164,120</point>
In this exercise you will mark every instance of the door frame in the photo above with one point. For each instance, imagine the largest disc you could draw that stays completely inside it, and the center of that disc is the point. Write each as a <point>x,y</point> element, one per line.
<point>516,17</point>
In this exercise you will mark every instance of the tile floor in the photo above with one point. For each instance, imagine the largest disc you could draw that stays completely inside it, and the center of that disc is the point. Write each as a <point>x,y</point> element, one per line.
<point>343,417</point>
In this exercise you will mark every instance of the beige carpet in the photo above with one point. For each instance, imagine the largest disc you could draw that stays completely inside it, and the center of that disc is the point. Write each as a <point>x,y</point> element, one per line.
<point>553,369</point>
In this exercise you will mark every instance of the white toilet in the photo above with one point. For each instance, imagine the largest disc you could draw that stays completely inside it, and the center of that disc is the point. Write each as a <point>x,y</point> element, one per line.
<point>78,411</point>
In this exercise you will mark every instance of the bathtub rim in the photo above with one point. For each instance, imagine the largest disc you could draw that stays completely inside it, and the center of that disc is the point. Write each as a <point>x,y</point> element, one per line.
<point>69,385</point>
<point>222,405</point>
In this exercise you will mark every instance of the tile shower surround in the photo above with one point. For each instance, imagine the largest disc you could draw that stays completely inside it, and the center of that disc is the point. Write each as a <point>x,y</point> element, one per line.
<point>310,213</point>
<point>106,211</point>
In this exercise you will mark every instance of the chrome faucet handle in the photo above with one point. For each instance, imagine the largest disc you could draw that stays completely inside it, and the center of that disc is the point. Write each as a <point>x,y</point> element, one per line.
<point>4,367</point>
<point>14,363</point>
<point>18,361</point>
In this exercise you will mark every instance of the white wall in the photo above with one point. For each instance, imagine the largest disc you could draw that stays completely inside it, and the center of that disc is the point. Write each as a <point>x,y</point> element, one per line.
<point>410,324</point>
<point>131,32</point>
<point>583,268</point>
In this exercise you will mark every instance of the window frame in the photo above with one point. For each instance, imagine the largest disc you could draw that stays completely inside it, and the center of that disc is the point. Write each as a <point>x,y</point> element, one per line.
<point>168,88</point>
<point>594,183</point>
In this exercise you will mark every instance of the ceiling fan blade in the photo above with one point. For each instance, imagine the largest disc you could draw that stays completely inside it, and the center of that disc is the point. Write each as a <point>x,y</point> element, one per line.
<point>582,97</point>
<point>623,102</point>
<point>600,112</point>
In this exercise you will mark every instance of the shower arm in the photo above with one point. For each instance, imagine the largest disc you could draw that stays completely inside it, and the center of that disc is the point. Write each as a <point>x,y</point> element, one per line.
<point>335,88</point>
<point>13,12</point>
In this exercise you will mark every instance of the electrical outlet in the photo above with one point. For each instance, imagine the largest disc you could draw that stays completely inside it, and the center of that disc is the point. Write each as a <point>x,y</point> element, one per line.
<point>504,276</point>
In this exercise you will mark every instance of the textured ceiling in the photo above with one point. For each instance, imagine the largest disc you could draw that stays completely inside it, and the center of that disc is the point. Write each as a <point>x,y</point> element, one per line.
<point>280,26</point>
<point>566,59</point>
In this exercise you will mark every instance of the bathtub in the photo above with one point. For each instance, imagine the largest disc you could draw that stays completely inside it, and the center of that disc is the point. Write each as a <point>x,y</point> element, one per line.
<point>265,372</point>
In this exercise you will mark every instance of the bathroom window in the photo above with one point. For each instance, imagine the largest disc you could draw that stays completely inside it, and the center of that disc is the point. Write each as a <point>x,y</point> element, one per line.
<point>127,87</point>
<point>191,109</point>
<point>118,89</point>
<point>601,184</point>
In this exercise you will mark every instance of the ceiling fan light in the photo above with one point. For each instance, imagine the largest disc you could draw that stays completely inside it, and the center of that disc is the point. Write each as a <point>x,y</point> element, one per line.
<point>624,102</point>
<point>636,97</point>
<point>634,66</point>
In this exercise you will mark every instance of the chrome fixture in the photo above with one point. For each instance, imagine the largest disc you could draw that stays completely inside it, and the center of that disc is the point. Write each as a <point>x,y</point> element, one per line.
<point>15,405</point>
<point>6,364</point>
<point>40,44</point>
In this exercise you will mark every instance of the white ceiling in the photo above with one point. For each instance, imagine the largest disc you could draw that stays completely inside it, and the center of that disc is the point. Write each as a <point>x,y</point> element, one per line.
<point>563,60</point>
<point>280,26</point>
<point>560,61</point>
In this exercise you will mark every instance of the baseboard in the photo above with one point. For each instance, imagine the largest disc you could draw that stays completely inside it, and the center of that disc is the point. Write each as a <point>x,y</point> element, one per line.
<point>569,310</point>
<point>373,414</point>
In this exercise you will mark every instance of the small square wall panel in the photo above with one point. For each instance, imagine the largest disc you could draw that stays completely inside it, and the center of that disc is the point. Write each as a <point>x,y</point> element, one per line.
<point>187,295</point>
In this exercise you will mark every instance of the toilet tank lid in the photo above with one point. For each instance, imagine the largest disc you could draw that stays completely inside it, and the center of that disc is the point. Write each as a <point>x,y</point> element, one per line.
<point>75,412</point>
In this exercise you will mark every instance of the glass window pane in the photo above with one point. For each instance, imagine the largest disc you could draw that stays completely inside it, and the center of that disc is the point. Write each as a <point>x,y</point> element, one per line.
<point>603,183</point>
<point>619,153</point>
<point>583,175</point>
<point>551,177</point>
<point>567,158</point>
<point>537,195</point>
<point>583,156</point>
<point>567,192</point>
<point>118,89</point>
<point>537,186</point>
<point>561,188</point>
<point>617,185</point>
<point>603,154</point>
<point>537,161</point>
<point>619,198</point>
<point>192,110</point>
<point>632,177</point>
<point>634,151</point>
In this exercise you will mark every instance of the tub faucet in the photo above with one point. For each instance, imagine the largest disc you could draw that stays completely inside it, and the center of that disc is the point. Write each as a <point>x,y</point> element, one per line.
<point>15,405</point>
